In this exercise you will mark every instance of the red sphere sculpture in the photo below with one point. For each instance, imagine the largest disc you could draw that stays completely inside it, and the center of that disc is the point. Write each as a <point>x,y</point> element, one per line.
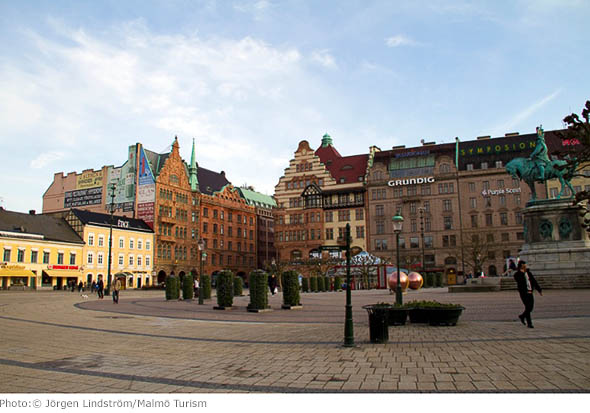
<point>416,280</point>
<point>403,280</point>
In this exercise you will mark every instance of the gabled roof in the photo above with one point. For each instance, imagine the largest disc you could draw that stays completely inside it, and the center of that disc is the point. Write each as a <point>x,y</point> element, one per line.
<point>96,218</point>
<point>50,227</point>
<point>156,160</point>
<point>210,181</point>
<point>254,198</point>
<point>348,168</point>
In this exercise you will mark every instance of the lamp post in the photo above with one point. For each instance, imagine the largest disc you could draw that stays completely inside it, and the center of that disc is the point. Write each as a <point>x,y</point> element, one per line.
<point>202,257</point>
<point>112,188</point>
<point>398,221</point>
<point>348,326</point>
<point>421,209</point>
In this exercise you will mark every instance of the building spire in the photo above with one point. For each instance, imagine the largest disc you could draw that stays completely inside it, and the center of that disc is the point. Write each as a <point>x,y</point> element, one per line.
<point>326,140</point>
<point>192,170</point>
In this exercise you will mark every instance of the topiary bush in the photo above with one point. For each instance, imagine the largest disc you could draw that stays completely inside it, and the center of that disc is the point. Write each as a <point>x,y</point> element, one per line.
<point>205,286</point>
<point>291,296</point>
<point>188,289</point>
<point>305,285</point>
<point>313,284</point>
<point>172,288</point>
<point>439,279</point>
<point>320,284</point>
<point>225,289</point>
<point>337,283</point>
<point>326,283</point>
<point>238,287</point>
<point>429,279</point>
<point>258,290</point>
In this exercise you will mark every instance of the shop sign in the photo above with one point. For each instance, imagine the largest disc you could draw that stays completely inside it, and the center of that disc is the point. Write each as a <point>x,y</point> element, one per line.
<point>488,192</point>
<point>62,267</point>
<point>412,154</point>
<point>471,149</point>
<point>411,181</point>
<point>89,179</point>
<point>83,197</point>
<point>122,224</point>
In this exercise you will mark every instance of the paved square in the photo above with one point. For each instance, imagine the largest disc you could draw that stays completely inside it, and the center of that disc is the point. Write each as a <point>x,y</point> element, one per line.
<point>62,342</point>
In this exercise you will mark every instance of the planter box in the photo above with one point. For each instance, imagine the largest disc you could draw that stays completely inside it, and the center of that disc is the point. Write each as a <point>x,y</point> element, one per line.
<point>444,316</point>
<point>419,315</point>
<point>257,310</point>
<point>397,316</point>
<point>378,323</point>
<point>292,307</point>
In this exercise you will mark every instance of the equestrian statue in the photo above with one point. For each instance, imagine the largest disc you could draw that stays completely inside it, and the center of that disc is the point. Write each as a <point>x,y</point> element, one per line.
<point>539,168</point>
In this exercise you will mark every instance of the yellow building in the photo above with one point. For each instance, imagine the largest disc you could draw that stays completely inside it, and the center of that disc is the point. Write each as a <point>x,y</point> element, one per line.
<point>132,247</point>
<point>38,251</point>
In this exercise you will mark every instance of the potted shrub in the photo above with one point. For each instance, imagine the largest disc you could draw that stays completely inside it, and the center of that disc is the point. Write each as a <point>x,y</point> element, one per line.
<point>172,292</point>
<point>434,313</point>
<point>305,285</point>
<point>326,284</point>
<point>188,289</point>
<point>225,290</point>
<point>205,286</point>
<point>378,322</point>
<point>321,286</point>
<point>337,283</point>
<point>258,292</point>
<point>313,284</point>
<point>291,296</point>
<point>398,314</point>
<point>238,287</point>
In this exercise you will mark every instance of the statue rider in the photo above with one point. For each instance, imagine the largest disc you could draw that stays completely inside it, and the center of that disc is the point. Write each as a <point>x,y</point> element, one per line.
<point>539,155</point>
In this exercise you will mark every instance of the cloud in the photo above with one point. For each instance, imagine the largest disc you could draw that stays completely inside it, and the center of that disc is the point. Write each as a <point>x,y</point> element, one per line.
<point>400,40</point>
<point>323,58</point>
<point>256,9</point>
<point>45,159</point>
<point>527,112</point>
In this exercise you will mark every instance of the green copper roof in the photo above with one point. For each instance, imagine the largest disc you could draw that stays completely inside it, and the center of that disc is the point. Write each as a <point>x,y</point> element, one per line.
<point>192,171</point>
<point>326,140</point>
<point>257,199</point>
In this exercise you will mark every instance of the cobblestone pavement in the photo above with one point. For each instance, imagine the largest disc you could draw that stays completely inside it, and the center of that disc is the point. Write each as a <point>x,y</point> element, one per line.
<point>63,342</point>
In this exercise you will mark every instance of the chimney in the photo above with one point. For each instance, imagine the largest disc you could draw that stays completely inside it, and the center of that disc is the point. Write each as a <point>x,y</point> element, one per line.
<point>31,212</point>
<point>479,138</point>
<point>511,134</point>
<point>398,147</point>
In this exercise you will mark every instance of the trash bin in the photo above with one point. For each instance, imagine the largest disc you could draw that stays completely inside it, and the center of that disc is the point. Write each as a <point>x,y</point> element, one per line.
<point>378,323</point>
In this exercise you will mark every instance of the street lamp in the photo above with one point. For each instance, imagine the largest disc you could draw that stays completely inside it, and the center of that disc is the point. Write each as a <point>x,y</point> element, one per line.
<point>203,255</point>
<point>398,221</point>
<point>421,209</point>
<point>348,325</point>
<point>112,188</point>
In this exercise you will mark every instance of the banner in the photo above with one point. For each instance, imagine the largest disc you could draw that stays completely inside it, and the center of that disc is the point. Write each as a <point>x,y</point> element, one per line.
<point>83,197</point>
<point>89,179</point>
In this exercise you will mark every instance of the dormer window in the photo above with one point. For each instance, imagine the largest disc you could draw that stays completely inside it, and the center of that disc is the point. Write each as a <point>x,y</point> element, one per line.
<point>341,180</point>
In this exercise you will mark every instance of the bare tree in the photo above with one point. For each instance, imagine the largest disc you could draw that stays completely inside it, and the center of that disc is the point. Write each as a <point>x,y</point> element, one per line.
<point>476,251</point>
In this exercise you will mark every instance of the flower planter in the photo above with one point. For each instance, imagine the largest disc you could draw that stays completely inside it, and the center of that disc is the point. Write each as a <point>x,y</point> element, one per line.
<point>397,316</point>
<point>444,316</point>
<point>419,315</point>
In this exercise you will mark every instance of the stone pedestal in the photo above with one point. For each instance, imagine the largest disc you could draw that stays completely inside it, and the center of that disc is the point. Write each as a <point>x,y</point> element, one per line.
<point>556,246</point>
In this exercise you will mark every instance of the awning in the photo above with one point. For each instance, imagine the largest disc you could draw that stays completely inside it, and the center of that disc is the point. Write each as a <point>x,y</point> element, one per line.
<point>63,273</point>
<point>16,272</point>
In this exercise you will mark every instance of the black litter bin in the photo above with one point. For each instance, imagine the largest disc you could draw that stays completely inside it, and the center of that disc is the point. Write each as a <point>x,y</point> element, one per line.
<point>378,323</point>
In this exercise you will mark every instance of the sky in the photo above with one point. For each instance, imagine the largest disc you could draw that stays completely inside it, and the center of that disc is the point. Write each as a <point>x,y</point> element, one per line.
<point>80,81</point>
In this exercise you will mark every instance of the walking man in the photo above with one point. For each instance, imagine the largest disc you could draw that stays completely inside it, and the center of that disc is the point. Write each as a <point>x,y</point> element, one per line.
<point>525,282</point>
<point>100,287</point>
<point>116,289</point>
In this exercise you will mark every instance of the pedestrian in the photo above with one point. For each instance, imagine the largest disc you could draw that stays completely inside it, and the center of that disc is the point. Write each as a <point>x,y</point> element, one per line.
<point>80,286</point>
<point>525,282</point>
<point>93,287</point>
<point>272,284</point>
<point>116,289</point>
<point>100,287</point>
<point>196,287</point>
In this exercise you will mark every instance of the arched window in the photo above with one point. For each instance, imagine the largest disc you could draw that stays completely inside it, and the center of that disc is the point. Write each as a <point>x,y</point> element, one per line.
<point>445,168</point>
<point>492,271</point>
<point>295,255</point>
<point>450,261</point>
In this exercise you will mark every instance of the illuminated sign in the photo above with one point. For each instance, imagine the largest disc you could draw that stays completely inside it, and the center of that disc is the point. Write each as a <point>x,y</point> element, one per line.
<point>62,267</point>
<point>413,153</point>
<point>123,224</point>
<point>488,192</point>
<point>411,181</point>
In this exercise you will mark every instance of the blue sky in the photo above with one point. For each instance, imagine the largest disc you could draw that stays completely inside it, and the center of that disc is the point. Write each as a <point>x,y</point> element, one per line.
<point>81,81</point>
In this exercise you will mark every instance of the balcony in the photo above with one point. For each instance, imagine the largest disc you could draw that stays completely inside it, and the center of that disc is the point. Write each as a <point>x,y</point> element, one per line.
<point>166,238</point>
<point>167,219</point>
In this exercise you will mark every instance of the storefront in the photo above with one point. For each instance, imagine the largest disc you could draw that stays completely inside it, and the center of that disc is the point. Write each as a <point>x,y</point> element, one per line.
<point>16,277</point>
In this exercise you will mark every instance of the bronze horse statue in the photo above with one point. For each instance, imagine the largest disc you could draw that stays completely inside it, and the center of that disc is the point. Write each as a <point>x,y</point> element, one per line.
<point>526,170</point>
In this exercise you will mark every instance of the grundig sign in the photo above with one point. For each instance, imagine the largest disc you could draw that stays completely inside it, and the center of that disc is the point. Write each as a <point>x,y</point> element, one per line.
<point>411,181</point>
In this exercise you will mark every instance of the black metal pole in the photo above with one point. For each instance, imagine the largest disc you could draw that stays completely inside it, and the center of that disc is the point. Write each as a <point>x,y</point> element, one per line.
<point>201,279</point>
<point>112,211</point>
<point>398,288</point>
<point>348,326</point>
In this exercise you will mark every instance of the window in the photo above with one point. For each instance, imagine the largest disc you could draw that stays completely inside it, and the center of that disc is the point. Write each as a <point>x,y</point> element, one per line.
<point>34,256</point>
<point>503,218</point>
<point>131,243</point>
<point>6,255</point>
<point>428,241</point>
<point>500,181</point>
<point>60,258</point>
<point>505,237</point>
<point>46,258</point>
<point>72,258</point>
<point>484,165</point>
<point>426,206</point>
<point>122,240</point>
<point>412,190</point>
<point>205,227</point>
<point>99,258</point>
<point>360,232</point>
<point>518,217</point>
<point>489,220</point>
<point>427,224</point>
<point>486,185</point>
<point>489,238</point>
<point>380,227</point>
<point>131,260</point>
<point>498,164</point>
<point>414,242</point>
<point>214,213</point>
<point>139,244</point>
<point>90,240</point>
<point>470,167</point>
<point>413,207</point>
<point>205,212</point>
<point>147,261</point>
<point>20,255</point>
<point>147,245</point>
<point>329,216</point>
<point>379,210</point>
<point>471,186</point>
<point>360,213</point>
<point>89,259</point>
<point>413,226</point>
<point>520,236</point>
<point>553,193</point>
<point>445,168</point>
<point>446,188</point>
<point>474,221</point>
<point>121,260</point>
<point>381,244</point>
<point>425,190</point>
<point>100,241</point>
<point>448,223</point>
<point>447,206</point>
<point>517,199</point>
<point>139,261</point>
<point>329,233</point>
<point>491,255</point>
<point>502,200</point>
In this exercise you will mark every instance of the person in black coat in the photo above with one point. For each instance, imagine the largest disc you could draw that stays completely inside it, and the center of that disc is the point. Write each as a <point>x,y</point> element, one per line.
<point>526,283</point>
<point>272,283</point>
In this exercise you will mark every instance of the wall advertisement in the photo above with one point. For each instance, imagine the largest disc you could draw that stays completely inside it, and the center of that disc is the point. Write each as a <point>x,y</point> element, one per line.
<point>83,197</point>
<point>146,190</point>
<point>89,179</point>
